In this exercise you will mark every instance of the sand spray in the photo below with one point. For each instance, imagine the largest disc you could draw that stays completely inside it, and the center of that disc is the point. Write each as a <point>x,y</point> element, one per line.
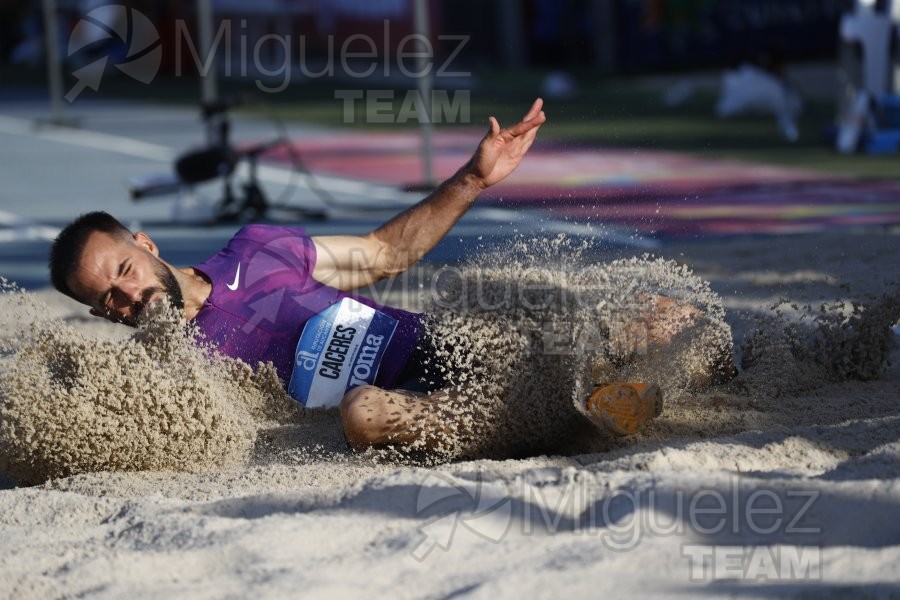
<point>72,403</point>
<point>522,335</point>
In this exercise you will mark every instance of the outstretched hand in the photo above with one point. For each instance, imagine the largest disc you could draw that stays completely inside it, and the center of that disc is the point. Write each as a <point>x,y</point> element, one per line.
<point>501,150</point>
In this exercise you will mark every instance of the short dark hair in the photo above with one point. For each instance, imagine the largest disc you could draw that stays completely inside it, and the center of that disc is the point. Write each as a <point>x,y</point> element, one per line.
<point>65,254</point>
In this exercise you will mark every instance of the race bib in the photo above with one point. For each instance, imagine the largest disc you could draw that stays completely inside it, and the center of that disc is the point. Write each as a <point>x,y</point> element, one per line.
<point>340,348</point>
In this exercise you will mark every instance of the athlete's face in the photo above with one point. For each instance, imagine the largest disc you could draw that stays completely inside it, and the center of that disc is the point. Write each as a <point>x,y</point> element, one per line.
<point>118,277</point>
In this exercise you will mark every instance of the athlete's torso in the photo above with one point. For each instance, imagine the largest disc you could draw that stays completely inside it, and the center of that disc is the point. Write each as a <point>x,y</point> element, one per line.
<point>263,294</point>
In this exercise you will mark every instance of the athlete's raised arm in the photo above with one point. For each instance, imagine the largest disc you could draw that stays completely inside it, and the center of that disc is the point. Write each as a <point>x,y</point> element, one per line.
<point>350,262</point>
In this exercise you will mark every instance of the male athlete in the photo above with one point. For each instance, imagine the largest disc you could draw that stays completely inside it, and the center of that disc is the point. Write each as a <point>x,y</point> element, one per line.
<point>274,294</point>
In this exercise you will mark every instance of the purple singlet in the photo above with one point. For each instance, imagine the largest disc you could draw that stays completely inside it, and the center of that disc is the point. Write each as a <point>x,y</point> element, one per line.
<point>263,294</point>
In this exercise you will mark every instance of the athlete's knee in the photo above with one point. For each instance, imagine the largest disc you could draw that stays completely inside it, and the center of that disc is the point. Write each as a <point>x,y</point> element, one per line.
<point>360,416</point>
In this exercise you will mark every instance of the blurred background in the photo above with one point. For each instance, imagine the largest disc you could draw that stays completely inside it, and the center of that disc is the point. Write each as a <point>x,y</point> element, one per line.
<point>668,118</point>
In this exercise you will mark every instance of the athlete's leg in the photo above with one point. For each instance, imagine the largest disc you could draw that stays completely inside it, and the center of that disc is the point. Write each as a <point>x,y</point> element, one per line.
<point>655,328</point>
<point>374,417</point>
<point>623,407</point>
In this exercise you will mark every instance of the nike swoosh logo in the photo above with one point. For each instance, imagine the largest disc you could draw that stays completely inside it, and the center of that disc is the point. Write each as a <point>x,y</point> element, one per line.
<point>234,284</point>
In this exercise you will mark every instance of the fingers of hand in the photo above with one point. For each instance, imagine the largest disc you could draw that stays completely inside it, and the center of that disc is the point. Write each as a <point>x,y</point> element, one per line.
<point>494,127</point>
<point>534,110</point>
<point>525,126</point>
<point>528,139</point>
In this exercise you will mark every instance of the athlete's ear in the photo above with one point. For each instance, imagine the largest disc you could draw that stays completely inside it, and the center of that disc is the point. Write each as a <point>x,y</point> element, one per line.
<point>143,240</point>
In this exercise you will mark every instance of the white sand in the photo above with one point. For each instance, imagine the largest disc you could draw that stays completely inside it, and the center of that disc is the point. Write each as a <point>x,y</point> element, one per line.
<point>306,522</point>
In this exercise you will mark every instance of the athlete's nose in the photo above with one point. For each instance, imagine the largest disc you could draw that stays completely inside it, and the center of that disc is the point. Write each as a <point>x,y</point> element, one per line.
<point>131,290</point>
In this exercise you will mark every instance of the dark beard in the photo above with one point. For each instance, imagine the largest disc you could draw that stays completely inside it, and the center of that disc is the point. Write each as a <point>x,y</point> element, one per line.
<point>170,285</point>
<point>167,284</point>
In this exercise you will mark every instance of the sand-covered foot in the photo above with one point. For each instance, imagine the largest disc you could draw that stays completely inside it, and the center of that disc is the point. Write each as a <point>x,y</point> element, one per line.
<point>623,408</point>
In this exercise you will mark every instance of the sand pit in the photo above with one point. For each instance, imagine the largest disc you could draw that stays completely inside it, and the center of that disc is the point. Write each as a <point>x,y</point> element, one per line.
<point>522,335</point>
<point>263,502</point>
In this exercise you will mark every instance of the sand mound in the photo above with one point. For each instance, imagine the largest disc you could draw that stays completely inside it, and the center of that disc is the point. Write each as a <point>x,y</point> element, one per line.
<point>795,348</point>
<point>70,403</point>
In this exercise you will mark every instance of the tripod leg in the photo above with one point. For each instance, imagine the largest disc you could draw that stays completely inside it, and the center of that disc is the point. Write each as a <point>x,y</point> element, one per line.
<point>226,210</point>
<point>255,200</point>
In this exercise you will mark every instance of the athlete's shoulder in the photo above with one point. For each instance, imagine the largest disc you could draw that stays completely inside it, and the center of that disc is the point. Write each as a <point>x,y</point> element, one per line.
<point>262,246</point>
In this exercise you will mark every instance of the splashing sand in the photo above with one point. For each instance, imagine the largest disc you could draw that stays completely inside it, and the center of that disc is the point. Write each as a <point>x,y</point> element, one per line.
<point>71,403</point>
<point>523,335</point>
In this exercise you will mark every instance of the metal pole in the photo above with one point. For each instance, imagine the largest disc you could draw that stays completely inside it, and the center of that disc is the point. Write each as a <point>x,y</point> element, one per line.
<point>603,17</point>
<point>895,58</point>
<point>512,43</point>
<point>209,89</point>
<point>425,125</point>
<point>54,66</point>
